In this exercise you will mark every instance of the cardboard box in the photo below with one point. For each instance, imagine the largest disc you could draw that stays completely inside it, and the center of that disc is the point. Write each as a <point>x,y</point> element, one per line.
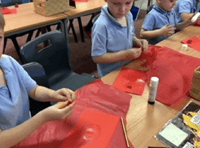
<point>50,7</point>
<point>195,88</point>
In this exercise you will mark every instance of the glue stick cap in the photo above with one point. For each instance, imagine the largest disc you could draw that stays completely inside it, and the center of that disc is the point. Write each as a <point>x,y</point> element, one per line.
<point>154,81</point>
<point>153,90</point>
<point>185,47</point>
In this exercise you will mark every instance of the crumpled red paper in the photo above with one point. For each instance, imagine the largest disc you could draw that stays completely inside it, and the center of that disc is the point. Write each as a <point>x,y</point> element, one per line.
<point>97,96</point>
<point>174,70</point>
<point>193,42</point>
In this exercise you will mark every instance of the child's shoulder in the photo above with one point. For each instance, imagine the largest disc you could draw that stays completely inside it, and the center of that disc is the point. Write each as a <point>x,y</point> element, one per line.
<point>7,57</point>
<point>8,60</point>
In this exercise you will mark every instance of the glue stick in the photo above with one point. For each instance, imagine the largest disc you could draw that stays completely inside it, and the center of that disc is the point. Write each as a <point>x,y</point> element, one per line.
<point>153,90</point>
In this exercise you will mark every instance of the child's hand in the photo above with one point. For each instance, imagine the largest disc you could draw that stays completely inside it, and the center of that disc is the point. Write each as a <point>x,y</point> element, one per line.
<point>145,44</point>
<point>63,95</point>
<point>134,53</point>
<point>168,30</point>
<point>59,111</point>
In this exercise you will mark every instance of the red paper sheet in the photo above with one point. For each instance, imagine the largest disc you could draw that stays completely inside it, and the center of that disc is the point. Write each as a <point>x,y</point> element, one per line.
<point>6,10</point>
<point>197,23</point>
<point>193,42</point>
<point>94,96</point>
<point>131,81</point>
<point>93,129</point>
<point>174,70</point>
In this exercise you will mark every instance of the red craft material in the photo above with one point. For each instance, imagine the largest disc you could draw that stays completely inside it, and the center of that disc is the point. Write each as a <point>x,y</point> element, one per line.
<point>193,42</point>
<point>93,129</point>
<point>97,96</point>
<point>174,70</point>
<point>131,81</point>
<point>197,23</point>
<point>16,5</point>
<point>6,10</point>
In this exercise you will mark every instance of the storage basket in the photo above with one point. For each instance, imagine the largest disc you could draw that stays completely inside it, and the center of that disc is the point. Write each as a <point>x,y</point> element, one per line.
<point>50,7</point>
<point>195,88</point>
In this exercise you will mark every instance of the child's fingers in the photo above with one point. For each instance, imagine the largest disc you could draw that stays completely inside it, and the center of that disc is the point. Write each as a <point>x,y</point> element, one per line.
<point>66,94</point>
<point>143,68</point>
<point>140,62</point>
<point>68,109</point>
<point>60,105</point>
<point>73,96</point>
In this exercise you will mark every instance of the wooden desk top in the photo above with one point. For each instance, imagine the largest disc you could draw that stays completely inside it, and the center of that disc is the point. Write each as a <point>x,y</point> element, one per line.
<point>83,8</point>
<point>144,121</point>
<point>26,18</point>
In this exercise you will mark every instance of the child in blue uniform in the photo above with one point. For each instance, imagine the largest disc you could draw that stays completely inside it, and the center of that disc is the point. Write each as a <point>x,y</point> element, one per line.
<point>16,86</point>
<point>186,9</point>
<point>161,22</point>
<point>113,38</point>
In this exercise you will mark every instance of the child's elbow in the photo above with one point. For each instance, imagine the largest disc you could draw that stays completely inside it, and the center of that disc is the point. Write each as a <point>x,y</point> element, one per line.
<point>141,35</point>
<point>95,60</point>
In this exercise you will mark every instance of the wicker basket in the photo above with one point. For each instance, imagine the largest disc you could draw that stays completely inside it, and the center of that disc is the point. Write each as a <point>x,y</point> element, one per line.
<point>50,7</point>
<point>195,88</point>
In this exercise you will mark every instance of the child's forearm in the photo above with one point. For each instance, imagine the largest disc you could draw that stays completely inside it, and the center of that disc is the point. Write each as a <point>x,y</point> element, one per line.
<point>111,57</point>
<point>128,54</point>
<point>41,94</point>
<point>182,25</point>
<point>150,34</point>
<point>13,136</point>
<point>185,16</point>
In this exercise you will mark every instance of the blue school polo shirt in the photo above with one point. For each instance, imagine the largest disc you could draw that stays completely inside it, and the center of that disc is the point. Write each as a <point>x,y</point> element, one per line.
<point>109,36</point>
<point>186,6</point>
<point>156,19</point>
<point>14,100</point>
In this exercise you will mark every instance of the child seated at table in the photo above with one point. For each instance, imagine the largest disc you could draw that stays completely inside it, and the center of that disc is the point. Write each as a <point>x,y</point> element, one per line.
<point>186,9</point>
<point>15,88</point>
<point>113,40</point>
<point>161,22</point>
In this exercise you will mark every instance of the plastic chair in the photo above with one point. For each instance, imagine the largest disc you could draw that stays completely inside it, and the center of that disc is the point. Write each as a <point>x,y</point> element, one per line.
<point>55,60</point>
<point>6,3</point>
<point>36,71</point>
<point>135,10</point>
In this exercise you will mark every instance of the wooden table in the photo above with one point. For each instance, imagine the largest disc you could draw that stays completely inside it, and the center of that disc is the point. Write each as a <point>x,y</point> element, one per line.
<point>144,121</point>
<point>26,21</point>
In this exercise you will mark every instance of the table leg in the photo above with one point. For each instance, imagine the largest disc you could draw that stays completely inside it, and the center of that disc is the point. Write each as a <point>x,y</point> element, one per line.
<point>73,30</point>
<point>81,29</point>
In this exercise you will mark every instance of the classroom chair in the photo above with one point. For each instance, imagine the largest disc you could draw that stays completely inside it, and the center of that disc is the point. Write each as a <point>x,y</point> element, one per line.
<point>37,73</point>
<point>6,3</point>
<point>55,60</point>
